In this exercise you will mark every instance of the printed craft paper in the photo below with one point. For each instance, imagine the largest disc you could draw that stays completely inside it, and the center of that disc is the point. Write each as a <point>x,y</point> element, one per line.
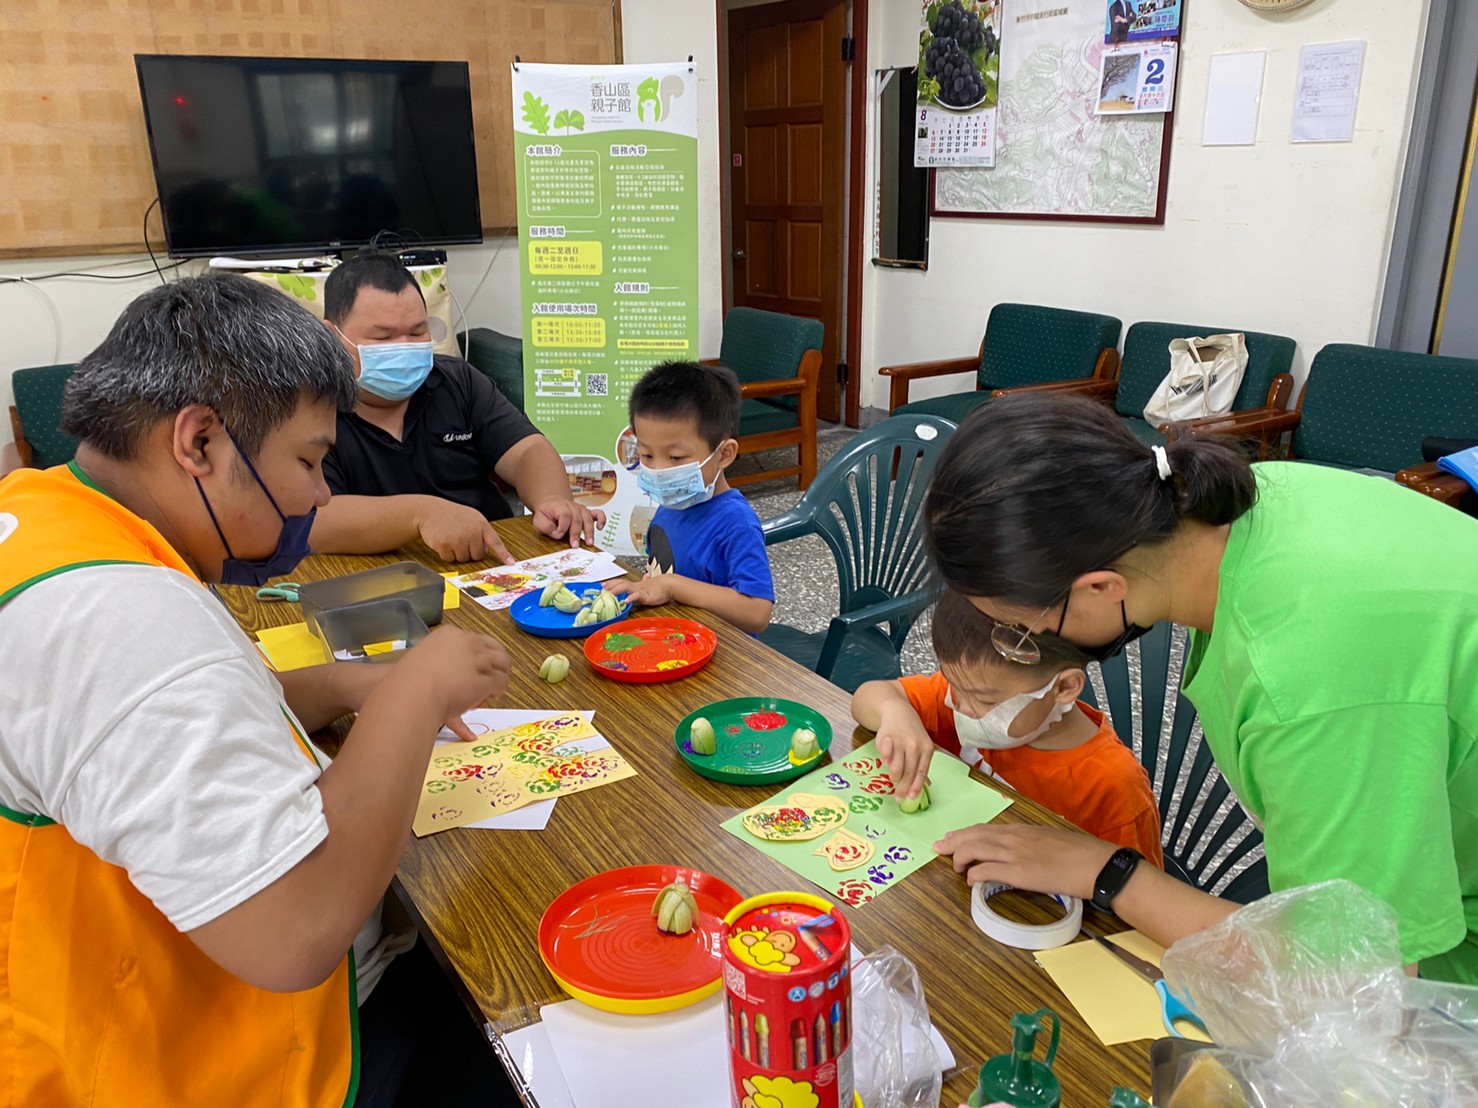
<point>505,770</point>
<point>499,586</point>
<point>900,843</point>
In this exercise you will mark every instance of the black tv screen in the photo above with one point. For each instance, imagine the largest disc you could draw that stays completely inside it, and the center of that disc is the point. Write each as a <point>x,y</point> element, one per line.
<point>284,155</point>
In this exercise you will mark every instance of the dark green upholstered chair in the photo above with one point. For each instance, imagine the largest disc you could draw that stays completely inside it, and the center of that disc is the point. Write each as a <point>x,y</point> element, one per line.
<point>36,413</point>
<point>865,507</point>
<point>1364,408</point>
<point>1209,839</point>
<point>1267,384</point>
<point>1024,344</point>
<point>777,359</point>
<point>499,357</point>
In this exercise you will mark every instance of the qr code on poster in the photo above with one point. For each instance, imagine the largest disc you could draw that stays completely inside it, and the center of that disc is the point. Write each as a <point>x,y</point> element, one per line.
<point>596,384</point>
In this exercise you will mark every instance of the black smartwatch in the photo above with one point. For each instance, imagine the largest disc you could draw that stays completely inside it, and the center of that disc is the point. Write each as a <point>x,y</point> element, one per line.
<point>1111,878</point>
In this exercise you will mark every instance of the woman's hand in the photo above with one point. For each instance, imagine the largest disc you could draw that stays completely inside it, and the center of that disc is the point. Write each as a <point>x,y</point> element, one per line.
<point>1037,859</point>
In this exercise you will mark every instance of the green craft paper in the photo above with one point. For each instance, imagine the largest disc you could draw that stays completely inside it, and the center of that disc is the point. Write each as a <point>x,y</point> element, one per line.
<point>902,843</point>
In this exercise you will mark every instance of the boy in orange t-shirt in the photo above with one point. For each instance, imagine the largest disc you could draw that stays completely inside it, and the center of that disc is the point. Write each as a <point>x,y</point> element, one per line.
<point>1023,724</point>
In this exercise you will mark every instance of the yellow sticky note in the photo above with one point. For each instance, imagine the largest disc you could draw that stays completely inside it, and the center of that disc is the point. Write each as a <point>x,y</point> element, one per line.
<point>452,598</point>
<point>1115,1001</point>
<point>290,647</point>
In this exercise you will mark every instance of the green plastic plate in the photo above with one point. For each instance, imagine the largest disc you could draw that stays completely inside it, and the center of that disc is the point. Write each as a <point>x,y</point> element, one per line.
<point>753,735</point>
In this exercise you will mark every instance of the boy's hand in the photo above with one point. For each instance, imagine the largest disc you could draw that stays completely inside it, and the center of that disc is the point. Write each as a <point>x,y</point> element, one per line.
<point>560,518</point>
<point>906,747</point>
<point>459,668</point>
<point>649,591</point>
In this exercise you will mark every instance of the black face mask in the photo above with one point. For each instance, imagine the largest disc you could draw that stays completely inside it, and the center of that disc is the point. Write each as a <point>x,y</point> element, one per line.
<point>292,540</point>
<point>1103,653</point>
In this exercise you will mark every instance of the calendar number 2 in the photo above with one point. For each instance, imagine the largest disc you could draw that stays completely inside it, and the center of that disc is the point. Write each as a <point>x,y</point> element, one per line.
<point>1156,73</point>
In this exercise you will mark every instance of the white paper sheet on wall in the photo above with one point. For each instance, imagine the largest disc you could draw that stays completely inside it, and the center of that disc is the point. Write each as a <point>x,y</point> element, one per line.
<point>1328,87</point>
<point>1233,96</point>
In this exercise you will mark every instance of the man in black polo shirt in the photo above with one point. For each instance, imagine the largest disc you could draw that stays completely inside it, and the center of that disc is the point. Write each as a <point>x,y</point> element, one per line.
<point>416,458</point>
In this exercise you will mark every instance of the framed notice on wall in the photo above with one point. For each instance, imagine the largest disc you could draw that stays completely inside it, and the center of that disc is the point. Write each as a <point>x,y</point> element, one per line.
<point>1057,157</point>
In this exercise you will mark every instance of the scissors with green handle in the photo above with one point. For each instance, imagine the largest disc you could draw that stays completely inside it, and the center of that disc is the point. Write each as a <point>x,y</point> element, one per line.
<point>288,591</point>
<point>1173,1010</point>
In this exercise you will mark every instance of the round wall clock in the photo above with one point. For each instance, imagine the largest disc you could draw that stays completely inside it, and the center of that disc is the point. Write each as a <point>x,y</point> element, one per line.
<point>1275,5</point>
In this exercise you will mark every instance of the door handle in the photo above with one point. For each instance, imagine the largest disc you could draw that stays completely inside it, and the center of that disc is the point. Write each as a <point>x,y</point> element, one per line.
<point>738,255</point>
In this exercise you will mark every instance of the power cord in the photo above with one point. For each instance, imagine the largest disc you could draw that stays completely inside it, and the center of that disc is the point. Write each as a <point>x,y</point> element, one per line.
<point>147,247</point>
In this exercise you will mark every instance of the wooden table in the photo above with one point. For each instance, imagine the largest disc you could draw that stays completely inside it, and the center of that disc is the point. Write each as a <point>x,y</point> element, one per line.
<point>478,895</point>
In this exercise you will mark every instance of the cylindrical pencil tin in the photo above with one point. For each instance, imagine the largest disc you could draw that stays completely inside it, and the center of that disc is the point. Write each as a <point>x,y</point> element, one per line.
<point>788,991</point>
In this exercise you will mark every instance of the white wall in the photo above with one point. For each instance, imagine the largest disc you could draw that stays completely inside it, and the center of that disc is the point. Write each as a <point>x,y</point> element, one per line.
<point>61,320</point>
<point>1271,237</point>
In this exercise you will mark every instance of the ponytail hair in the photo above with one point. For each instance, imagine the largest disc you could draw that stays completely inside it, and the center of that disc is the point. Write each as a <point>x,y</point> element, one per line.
<point>1036,489</point>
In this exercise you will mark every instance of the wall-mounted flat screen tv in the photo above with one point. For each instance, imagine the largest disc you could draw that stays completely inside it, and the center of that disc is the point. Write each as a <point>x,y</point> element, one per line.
<point>280,156</point>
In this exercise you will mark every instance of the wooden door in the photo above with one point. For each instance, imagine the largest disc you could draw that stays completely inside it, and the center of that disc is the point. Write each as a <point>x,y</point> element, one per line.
<point>788,166</point>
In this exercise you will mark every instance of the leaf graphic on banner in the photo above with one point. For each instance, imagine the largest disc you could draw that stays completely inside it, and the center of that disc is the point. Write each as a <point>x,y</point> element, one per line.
<point>536,113</point>
<point>570,120</point>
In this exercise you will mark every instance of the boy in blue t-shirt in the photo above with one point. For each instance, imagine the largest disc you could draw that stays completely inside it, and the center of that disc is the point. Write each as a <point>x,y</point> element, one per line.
<point>705,541</point>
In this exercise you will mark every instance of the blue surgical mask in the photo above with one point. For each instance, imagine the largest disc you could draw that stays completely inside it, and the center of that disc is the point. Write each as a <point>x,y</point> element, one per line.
<point>678,487</point>
<point>292,543</point>
<point>393,370</point>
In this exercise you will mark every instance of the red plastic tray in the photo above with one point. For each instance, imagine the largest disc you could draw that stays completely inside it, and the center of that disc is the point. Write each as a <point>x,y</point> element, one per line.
<point>600,940</point>
<point>645,651</point>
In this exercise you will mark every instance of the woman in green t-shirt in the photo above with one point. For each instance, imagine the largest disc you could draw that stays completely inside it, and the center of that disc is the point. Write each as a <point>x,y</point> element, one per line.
<point>1338,692</point>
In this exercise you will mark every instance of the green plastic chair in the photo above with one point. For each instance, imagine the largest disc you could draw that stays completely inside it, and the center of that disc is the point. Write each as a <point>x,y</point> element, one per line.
<point>1267,382</point>
<point>1209,839</point>
<point>37,413</point>
<point>498,357</point>
<point>865,506</point>
<point>1024,344</point>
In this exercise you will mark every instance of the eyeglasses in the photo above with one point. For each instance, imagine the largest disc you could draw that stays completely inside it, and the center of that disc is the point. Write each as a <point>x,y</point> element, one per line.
<point>1016,644</point>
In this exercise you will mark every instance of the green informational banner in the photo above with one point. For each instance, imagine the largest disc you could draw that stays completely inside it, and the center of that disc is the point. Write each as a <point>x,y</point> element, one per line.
<point>606,159</point>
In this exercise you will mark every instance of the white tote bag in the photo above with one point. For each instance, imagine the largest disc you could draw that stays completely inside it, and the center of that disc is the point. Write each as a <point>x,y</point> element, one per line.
<point>1204,377</point>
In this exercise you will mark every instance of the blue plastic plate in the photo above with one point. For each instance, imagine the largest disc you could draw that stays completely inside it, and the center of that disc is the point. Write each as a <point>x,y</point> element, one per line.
<point>550,622</point>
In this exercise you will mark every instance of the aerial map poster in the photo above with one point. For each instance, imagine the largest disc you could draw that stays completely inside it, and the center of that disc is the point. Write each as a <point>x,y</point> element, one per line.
<point>1056,157</point>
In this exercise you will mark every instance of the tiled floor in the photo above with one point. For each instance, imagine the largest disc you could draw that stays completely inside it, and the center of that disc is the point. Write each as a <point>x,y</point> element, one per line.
<point>805,574</point>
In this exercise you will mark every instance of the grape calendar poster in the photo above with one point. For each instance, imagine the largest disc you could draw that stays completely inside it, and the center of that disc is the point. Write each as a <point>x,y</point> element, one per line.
<point>959,82</point>
<point>606,163</point>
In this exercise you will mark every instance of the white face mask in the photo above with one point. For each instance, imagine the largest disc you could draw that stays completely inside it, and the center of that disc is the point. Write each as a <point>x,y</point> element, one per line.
<point>989,732</point>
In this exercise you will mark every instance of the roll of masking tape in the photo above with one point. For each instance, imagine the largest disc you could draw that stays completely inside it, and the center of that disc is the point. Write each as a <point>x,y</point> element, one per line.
<point>1027,936</point>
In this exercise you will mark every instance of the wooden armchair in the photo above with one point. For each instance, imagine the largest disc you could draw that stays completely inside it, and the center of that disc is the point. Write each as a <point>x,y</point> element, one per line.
<point>1364,409</point>
<point>1024,345</point>
<point>35,418</point>
<point>1266,385</point>
<point>1440,485</point>
<point>777,359</point>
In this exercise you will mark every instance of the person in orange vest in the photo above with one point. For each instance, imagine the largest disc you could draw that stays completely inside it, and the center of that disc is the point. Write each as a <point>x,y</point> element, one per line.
<point>188,889</point>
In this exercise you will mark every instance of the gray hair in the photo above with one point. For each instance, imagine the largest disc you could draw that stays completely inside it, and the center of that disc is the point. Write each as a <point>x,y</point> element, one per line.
<point>245,350</point>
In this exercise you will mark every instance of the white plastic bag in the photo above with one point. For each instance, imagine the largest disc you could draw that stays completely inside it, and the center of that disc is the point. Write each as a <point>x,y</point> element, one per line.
<point>1306,992</point>
<point>895,1063</point>
<point>1204,377</point>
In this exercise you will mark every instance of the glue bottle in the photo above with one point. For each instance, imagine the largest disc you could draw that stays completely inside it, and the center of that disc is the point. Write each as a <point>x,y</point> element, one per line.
<point>1018,1079</point>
